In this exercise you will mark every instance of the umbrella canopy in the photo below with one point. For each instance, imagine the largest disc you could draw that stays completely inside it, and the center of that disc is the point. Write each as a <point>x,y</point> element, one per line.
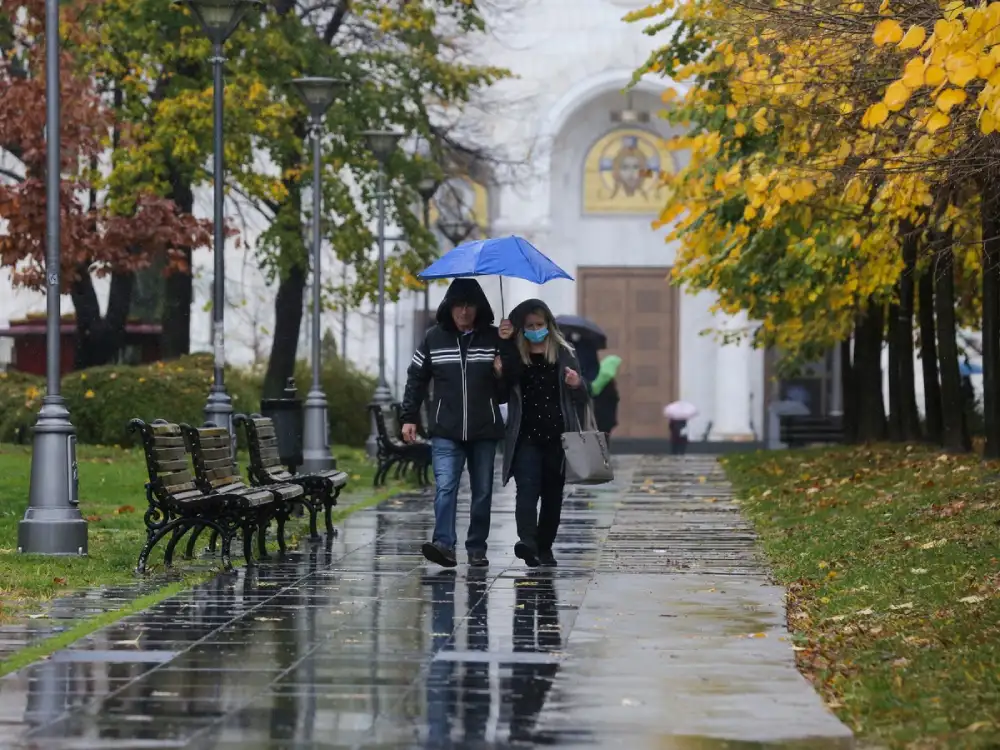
<point>580,329</point>
<point>680,410</point>
<point>499,256</point>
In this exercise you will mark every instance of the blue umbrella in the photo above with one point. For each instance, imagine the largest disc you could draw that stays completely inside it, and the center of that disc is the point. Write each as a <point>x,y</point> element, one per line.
<point>499,256</point>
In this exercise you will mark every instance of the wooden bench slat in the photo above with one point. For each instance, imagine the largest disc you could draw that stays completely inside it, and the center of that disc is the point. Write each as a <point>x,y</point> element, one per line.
<point>169,453</point>
<point>217,454</point>
<point>163,467</point>
<point>220,463</point>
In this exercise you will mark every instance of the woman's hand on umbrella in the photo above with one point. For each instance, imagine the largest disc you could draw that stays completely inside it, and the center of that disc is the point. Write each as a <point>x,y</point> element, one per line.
<point>506,329</point>
<point>572,378</point>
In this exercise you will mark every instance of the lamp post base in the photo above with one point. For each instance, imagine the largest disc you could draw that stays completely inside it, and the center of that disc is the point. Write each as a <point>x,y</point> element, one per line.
<point>316,434</point>
<point>52,524</point>
<point>382,398</point>
<point>219,408</point>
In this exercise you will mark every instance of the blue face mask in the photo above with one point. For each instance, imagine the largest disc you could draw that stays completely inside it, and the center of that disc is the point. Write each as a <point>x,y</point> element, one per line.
<point>536,337</point>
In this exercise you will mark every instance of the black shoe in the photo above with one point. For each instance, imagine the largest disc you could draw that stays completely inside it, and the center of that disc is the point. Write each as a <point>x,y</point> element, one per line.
<point>524,551</point>
<point>477,559</point>
<point>439,554</point>
<point>546,560</point>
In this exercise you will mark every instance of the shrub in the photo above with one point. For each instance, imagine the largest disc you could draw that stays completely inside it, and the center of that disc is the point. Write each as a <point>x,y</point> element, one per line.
<point>348,393</point>
<point>103,399</point>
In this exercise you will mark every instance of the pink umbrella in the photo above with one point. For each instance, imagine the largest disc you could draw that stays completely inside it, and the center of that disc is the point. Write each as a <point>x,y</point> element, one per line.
<point>680,410</point>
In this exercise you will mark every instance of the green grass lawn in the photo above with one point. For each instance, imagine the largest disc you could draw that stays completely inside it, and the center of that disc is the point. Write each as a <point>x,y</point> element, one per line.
<point>890,555</point>
<point>112,499</point>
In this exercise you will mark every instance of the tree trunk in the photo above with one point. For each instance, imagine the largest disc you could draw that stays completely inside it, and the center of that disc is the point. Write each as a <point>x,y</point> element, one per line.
<point>990,219</point>
<point>294,263</point>
<point>909,416</point>
<point>868,337</point>
<point>895,423</point>
<point>850,392</point>
<point>287,325</point>
<point>933,420</point>
<point>99,340</point>
<point>175,340</point>
<point>954,434</point>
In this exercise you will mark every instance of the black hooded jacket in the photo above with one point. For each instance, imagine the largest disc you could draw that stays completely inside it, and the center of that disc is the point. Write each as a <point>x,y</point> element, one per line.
<point>467,393</point>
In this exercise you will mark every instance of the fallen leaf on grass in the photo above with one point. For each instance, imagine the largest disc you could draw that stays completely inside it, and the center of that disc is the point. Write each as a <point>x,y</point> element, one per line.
<point>896,607</point>
<point>918,571</point>
<point>125,509</point>
<point>932,545</point>
<point>974,599</point>
<point>978,726</point>
<point>92,519</point>
<point>901,662</point>
<point>59,581</point>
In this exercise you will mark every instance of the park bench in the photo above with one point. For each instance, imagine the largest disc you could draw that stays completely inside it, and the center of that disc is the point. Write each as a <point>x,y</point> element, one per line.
<point>215,472</point>
<point>393,452</point>
<point>321,488</point>
<point>178,503</point>
<point>801,430</point>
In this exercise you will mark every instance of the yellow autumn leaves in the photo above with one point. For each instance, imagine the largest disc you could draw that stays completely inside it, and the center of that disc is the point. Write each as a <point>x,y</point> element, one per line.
<point>961,50</point>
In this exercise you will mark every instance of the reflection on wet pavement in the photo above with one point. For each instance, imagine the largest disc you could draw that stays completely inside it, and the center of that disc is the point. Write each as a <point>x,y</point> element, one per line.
<point>658,630</point>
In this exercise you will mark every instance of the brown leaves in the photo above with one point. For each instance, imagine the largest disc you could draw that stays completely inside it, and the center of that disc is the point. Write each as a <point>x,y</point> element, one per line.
<point>124,509</point>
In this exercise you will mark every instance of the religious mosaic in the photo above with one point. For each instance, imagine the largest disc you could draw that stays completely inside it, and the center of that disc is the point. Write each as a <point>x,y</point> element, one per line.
<point>623,173</point>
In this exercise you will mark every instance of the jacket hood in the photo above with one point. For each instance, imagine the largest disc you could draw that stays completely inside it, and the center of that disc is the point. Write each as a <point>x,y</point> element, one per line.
<point>468,291</point>
<point>519,313</point>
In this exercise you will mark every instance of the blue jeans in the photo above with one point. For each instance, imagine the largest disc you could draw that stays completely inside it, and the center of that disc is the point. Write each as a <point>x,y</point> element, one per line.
<point>449,459</point>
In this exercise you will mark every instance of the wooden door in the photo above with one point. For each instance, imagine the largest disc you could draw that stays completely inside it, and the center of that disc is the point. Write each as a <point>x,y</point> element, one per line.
<point>638,309</point>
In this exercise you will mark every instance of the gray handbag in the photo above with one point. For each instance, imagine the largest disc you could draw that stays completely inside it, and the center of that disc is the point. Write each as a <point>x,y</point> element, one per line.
<point>588,460</point>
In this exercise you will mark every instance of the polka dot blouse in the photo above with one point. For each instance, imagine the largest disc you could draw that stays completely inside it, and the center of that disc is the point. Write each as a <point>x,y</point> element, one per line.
<point>541,414</point>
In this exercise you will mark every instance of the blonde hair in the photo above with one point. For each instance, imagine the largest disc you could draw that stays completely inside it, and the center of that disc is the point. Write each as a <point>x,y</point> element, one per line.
<point>553,342</point>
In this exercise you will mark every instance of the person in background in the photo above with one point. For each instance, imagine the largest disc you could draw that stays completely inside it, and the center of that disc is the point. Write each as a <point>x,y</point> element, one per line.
<point>678,436</point>
<point>604,391</point>
<point>459,355</point>
<point>547,397</point>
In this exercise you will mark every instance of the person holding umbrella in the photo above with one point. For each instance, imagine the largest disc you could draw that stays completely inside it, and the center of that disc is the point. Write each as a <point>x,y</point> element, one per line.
<point>678,413</point>
<point>546,397</point>
<point>459,355</point>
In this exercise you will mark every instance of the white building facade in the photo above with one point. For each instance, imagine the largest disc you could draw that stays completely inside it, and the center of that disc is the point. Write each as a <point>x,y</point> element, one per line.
<point>592,156</point>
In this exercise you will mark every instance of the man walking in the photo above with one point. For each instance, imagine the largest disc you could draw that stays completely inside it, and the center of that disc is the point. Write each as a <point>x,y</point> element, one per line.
<point>458,356</point>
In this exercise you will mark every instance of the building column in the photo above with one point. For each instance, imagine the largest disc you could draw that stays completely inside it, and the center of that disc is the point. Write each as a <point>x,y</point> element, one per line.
<point>731,420</point>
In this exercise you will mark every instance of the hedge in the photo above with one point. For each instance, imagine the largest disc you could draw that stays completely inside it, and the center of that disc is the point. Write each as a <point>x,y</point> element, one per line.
<point>103,399</point>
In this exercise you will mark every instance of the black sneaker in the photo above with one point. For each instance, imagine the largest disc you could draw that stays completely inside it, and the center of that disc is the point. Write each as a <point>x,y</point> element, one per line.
<point>477,559</point>
<point>546,560</point>
<point>439,554</point>
<point>524,551</point>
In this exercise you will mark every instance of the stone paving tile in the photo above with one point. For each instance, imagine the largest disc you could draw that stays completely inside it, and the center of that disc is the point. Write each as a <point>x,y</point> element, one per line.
<point>659,629</point>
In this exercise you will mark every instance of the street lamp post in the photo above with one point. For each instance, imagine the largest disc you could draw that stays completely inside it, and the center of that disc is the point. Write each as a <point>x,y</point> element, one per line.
<point>382,143</point>
<point>456,230</point>
<point>52,524</point>
<point>427,187</point>
<point>318,94</point>
<point>219,19</point>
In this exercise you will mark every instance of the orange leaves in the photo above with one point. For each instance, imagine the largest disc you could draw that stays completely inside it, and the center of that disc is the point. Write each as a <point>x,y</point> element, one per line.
<point>93,237</point>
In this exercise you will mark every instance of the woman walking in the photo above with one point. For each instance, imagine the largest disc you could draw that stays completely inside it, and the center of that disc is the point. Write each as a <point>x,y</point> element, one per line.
<point>547,397</point>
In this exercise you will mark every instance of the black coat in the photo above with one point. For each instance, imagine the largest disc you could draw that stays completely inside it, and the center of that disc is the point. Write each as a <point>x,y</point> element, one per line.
<point>467,393</point>
<point>606,407</point>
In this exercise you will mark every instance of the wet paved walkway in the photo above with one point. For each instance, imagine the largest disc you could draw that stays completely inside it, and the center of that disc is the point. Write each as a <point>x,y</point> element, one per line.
<point>658,630</point>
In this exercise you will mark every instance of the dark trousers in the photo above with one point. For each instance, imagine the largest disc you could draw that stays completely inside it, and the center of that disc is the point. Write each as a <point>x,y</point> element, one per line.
<point>540,476</point>
<point>678,440</point>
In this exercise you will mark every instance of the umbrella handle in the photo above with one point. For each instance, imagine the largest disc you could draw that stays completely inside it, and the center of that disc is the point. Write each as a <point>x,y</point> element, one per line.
<point>502,313</point>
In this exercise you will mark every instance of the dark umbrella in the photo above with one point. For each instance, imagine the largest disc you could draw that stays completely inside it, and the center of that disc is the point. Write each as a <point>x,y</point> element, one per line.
<point>581,329</point>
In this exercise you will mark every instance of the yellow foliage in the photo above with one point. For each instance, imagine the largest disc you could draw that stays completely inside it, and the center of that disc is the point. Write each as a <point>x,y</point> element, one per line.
<point>887,32</point>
